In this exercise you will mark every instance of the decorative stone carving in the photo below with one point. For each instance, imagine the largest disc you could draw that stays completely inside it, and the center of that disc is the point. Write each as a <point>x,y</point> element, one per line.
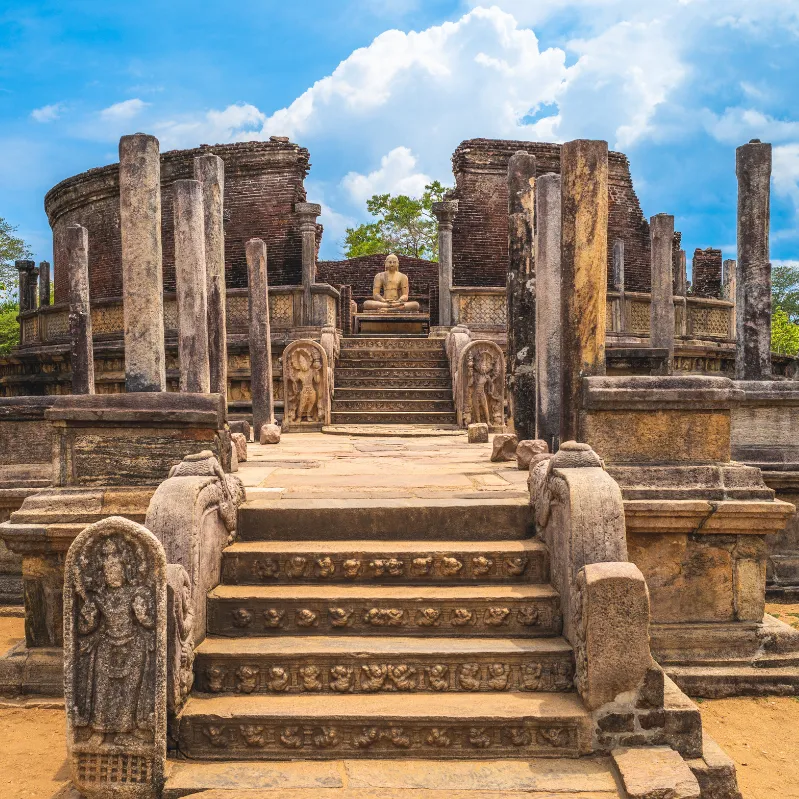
<point>247,679</point>
<point>480,396</point>
<point>115,653</point>
<point>180,637</point>
<point>306,386</point>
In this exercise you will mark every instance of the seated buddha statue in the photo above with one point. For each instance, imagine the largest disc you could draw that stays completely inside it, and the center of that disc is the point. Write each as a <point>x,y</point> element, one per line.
<point>390,291</point>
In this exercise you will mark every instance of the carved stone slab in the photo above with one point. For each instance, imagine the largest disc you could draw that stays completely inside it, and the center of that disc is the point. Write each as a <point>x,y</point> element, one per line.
<point>115,630</point>
<point>306,386</point>
<point>480,393</point>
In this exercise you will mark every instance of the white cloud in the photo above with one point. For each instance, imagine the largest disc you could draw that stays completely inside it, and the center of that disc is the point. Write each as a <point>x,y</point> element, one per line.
<point>127,109</point>
<point>785,171</point>
<point>397,175</point>
<point>240,122</point>
<point>48,113</point>
<point>739,125</point>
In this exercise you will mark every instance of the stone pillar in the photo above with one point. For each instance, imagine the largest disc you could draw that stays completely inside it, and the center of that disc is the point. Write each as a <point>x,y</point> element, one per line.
<point>681,283</point>
<point>307,213</point>
<point>618,281</point>
<point>584,270</point>
<point>80,317</point>
<point>547,320</point>
<point>753,290</point>
<point>26,269</point>
<point>263,411</point>
<point>44,283</point>
<point>142,271</point>
<point>210,171</point>
<point>729,281</point>
<point>661,307</point>
<point>521,293</point>
<point>190,284</point>
<point>445,212</point>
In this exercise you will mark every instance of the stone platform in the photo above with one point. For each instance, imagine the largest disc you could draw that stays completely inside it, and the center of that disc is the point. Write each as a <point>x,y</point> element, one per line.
<point>391,323</point>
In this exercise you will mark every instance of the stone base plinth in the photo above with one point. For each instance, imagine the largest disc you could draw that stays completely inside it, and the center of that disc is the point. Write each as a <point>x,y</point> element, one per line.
<point>390,323</point>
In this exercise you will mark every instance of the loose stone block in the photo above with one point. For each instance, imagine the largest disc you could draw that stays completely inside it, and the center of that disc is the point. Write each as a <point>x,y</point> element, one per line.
<point>527,450</point>
<point>655,772</point>
<point>80,315</point>
<point>240,443</point>
<point>504,447</point>
<point>263,411</point>
<point>115,628</point>
<point>190,282</point>
<point>270,434</point>
<point>241,426</point>
<point>142,270</point>
<point>477,433</point>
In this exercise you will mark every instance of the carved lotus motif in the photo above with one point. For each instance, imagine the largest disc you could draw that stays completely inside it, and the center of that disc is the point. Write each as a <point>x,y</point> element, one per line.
<point>274,617</point>
<point>515,567</point>
<point>469,676</point>
<point>295,566</point>
<point>438,677</point>
<point>439,737</point>
<point>339,617</point>
<point>306,618</point>
<point>247,679</point>
<point>325,567</point>
<point>253,735</point>
<point>422,566</point>
<point>498,675</point>
<point>291,737</point>
<point>279,679</point>
<point>496,616</point>
<point>479,737</point>
<point>266,569</point>
<point>449,567</point>
<point>341,678</point>
<point>241,617</point>
<point>351,568</point>
<point>429,617</point>
<point>214,678</point>
<point>462,617</point>
<point>481,566</point>
<point>310,678</point>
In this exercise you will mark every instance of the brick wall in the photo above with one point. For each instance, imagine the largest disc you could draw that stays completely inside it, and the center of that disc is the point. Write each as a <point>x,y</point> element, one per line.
<point>263,180</point>
<point>480,230</point>
<point>706,273</point>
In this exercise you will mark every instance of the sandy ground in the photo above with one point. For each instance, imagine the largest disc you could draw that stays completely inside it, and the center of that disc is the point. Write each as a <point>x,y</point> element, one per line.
<point>12,631</point>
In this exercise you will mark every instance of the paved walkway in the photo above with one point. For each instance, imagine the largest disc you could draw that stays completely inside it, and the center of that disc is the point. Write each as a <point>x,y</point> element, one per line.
<point>318,465</point>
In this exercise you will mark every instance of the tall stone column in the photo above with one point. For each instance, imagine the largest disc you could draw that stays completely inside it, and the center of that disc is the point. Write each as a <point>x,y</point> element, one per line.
<point>142,270</point>
<point>210,171</point>
<point>307,213</point>
<point>584,269</point>
<point>728,289</point>
<point>190,285</point>
<point>263,410</point>
<point>618,281</point>
<point>26,270</point>
<point>445,212</point>
<point>661,307</point>
<point>548,307</point>
<point>753,290</point>
<point>521,292</point>
<point>80,316</point>
<point>44,283</point>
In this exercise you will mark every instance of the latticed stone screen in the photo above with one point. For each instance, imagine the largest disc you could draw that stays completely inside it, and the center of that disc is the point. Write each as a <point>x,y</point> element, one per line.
<point>483,310</point>
<point>638,318</point>
<point>57,325</point>
<point>108,319</point>
<point>281,310</point>
<point>712,322</point>
<point>114,769</point>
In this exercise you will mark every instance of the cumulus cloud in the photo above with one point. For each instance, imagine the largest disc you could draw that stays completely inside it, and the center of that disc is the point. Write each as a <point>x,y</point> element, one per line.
<point>739,125</point>
<point>127,109</point>
<point>48,113</point>
<point>241,122</point>
<point>397,175</point>
<point>785,171</point>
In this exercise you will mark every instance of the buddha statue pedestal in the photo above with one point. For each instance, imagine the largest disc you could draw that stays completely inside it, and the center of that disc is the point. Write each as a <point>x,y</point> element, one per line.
<point>390,324</point>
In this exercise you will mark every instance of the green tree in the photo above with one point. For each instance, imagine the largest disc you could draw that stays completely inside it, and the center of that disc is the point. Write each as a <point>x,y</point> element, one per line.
<point>12,248</point>
<point>785,290</point>
<point>784,333</point>
<point>404,225</point>
<point>9,327</point>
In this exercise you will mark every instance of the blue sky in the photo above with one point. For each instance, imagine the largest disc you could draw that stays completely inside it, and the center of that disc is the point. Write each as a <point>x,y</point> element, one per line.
<point>381,93</point>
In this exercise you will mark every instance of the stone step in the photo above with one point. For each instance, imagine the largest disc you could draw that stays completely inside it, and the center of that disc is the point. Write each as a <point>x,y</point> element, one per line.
<point>346,393</point>
<point>393,417</point>
<point>374,405</point>
<point>350,664</point>
<point>395,562</point>
<point>375,374</point>
<point>441,381</point>
<point>439,354</point>
<point>486,610</point>
<point>255,727</point>
<point>386,519</point>
<point>540,778</point>
<point>399,361</point>
<point>381,343</point>
<point>719,682</point>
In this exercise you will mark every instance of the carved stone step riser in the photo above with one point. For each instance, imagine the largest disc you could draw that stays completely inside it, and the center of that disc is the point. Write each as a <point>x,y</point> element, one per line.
<point>393,406</point>
<point>457,673</point>
<point>393,394</point>
<point>392,344</point>
<point>371,384</point>
<point>259,617</point>
<point>397,361</point>
<point>406,374</point>
<point>250,738</point>
<point>410,568</point>
<point>406,417</point>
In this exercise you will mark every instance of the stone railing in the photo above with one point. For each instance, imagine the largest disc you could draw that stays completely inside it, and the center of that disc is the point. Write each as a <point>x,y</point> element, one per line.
<point>50,324</point>
<point>479,308</point>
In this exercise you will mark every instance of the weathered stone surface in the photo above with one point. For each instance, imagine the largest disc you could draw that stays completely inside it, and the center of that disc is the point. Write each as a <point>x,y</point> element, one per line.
<point>142,271</point>
<point>263,410</point>
<point>656,772</point>
<point>548,303</point>
<point>753,289</point>
<point>527,450</point>
<point>80,317</point>
<point>481,385</point>
<point>306,386</point>
<point>584,265</point>
<point>180,639</point>
<point>477,433</point>
<point>270,434</point>
<point>241,426</point>
<point>115,627</point>
<point>715,772</point>
<point>504,447</point>
<point>190,283</point>
<point>240,443</point>
<point>307,213</point>
<point>210,171</point>
<point>611,633</point>
<point>521,292</point>
<point>445,213</point>
<point>661,308</point>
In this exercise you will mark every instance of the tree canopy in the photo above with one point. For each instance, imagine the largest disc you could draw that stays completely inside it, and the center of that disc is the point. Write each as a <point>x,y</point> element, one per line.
<point>12,248</point>
<point>403,225</point>
<point>785,290</point>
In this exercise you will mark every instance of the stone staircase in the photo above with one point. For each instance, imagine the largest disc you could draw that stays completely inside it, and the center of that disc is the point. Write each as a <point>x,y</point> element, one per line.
<point>392,380</point>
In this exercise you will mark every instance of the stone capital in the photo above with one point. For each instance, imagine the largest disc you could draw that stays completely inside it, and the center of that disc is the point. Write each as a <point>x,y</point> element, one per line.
<point>445,212</point>
<point>307,212</point>
<point>25,266</point>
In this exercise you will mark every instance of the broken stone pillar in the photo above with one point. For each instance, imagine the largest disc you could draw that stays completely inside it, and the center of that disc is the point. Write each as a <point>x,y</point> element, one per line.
<point>445,213</point>
<point>728,289</point>
<point>210,171</point>
<point>521,292</point>
<point>44,283</point>
<point>618,282</point>
<point>584,269</point>
<point>27,284</point>
<point>547,321</point>
<point>753,289</point>
<point>681,292</point>
<point>190,284</point>
<point>142,271</point>
<point>661,307</point>
<point>80,316</point>
<point>260,342</point>
<point>307,213</point>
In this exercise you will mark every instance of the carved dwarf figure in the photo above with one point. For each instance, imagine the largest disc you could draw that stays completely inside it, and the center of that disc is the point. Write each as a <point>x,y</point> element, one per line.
<point>305,379</point>
<point>390,290</point>
<point>482,396</point>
